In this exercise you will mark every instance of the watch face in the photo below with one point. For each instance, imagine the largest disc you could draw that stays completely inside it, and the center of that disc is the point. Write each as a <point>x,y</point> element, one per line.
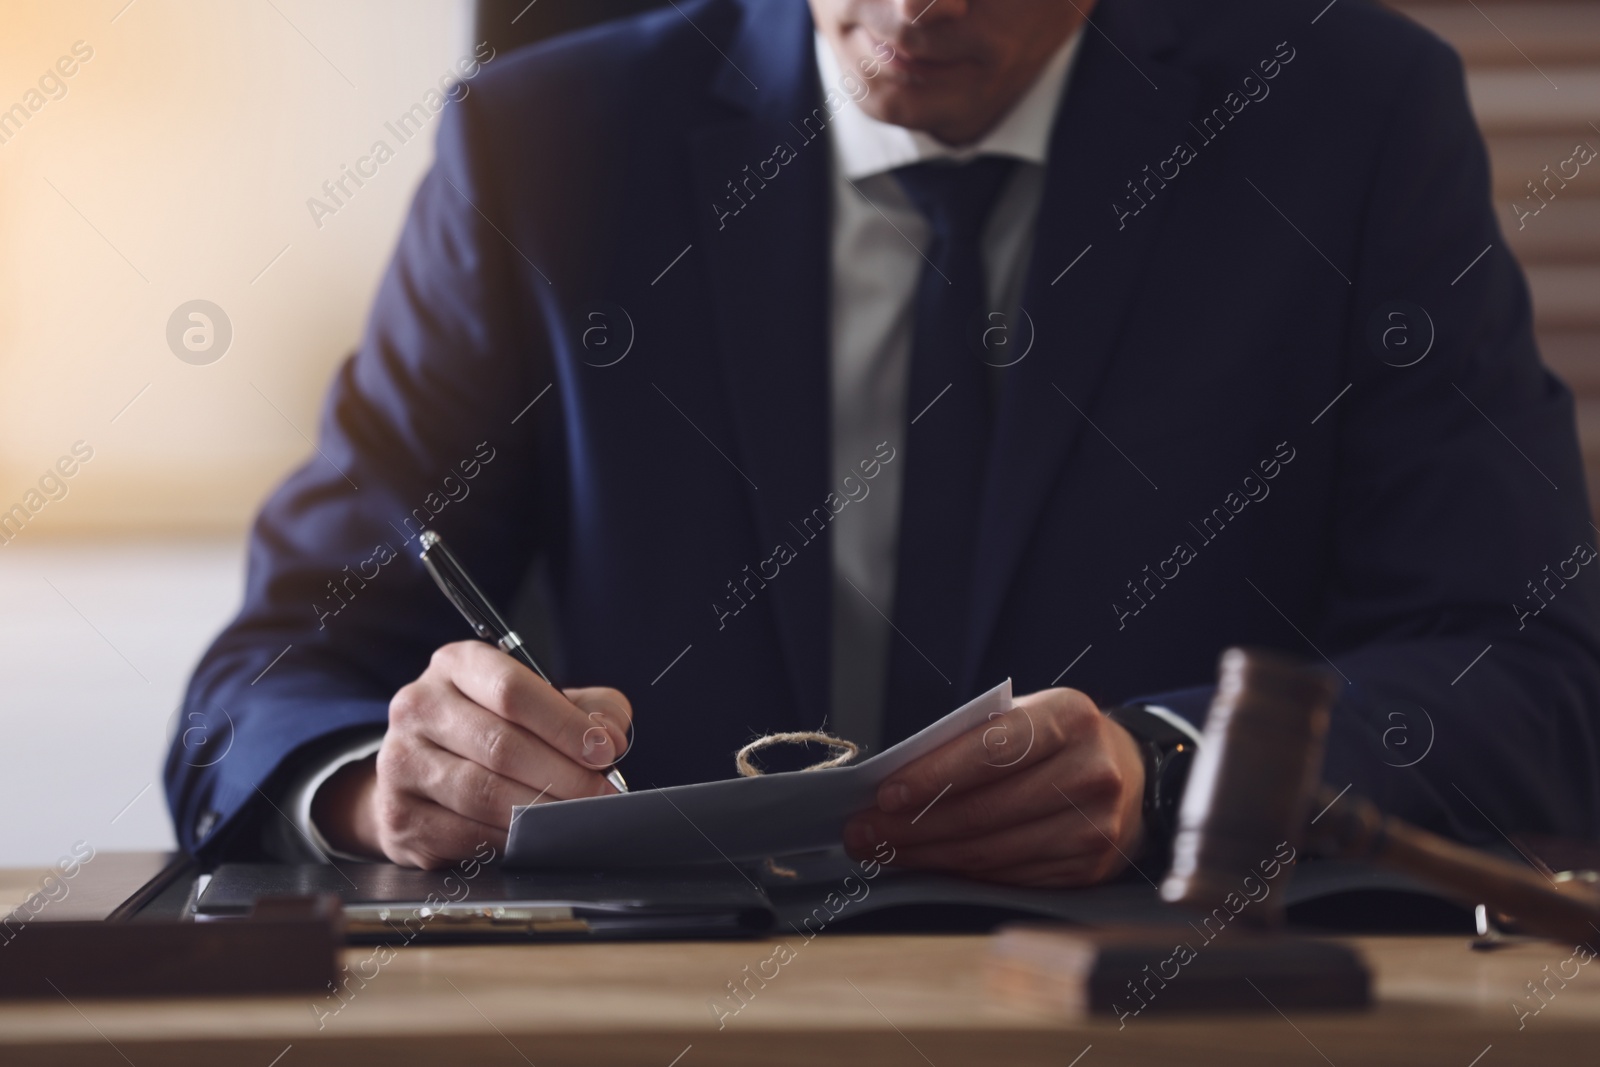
<point>1145,724</point>
<point>1171,778</point>
<point>1168,753</point>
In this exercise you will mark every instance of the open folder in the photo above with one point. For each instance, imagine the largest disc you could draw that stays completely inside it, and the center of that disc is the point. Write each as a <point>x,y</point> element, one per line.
<point>737,819</point>
<point>686,861</point>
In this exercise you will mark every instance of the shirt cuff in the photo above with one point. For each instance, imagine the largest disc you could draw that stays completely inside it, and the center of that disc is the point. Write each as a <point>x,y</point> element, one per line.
<point>304,791</point>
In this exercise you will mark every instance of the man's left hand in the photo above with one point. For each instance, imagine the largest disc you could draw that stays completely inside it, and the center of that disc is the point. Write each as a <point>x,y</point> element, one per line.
<point>1047,794</point>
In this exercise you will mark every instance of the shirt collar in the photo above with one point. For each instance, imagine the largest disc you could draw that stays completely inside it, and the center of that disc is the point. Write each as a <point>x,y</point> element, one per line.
<point>863,146</point>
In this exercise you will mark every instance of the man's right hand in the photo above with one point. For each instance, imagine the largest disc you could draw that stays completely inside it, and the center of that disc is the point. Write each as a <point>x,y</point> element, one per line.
<point>477,733</point>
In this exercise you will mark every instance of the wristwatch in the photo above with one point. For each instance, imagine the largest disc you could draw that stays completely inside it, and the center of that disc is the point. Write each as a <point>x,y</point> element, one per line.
<point>1168,745</point>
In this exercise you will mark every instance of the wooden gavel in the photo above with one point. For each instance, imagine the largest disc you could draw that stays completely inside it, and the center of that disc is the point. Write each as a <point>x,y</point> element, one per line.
<point>1253,786</point>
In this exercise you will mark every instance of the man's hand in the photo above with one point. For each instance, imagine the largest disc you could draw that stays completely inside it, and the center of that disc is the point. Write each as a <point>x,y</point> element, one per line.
<point>475,734</point>
<point>1047,794</point>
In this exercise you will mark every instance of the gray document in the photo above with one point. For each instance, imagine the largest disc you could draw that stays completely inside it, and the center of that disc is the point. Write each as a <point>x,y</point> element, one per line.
<point>737,819</point>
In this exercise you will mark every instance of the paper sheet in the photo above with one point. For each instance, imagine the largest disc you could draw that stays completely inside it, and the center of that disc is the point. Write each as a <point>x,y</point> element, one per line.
<point>737,819</point>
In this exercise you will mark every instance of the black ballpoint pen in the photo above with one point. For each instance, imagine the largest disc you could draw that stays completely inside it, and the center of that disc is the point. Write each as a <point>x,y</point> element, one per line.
<point>481,615</point>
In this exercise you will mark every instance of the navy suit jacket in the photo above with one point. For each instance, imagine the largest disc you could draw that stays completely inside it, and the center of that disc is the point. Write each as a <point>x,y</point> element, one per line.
<point>1249,222</point>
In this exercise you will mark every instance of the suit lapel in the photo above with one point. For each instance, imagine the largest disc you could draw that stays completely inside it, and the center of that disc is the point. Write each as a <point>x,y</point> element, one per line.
<point>1080,282</point>
<point>765,239</point>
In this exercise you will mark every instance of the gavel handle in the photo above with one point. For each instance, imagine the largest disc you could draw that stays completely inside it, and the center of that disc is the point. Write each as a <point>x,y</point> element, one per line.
<point>1353,828</point>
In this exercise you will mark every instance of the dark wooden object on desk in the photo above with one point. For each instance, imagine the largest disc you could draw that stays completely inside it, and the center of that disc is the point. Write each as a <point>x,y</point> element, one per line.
<point>1246,812</point>
<point>285,946</point>
<point>1255,781</point>
<point>1252,781</point>
<point>1238,829</point>
<point>1138,972</point>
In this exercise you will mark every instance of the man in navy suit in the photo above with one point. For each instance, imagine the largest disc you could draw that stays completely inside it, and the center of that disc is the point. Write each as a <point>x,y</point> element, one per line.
<point>827,366</point>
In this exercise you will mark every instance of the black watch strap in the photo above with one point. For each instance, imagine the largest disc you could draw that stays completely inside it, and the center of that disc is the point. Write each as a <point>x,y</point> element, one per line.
<point>1168,751</point>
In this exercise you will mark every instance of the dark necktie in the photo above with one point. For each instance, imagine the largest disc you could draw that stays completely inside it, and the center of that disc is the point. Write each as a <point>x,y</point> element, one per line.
<point>947,442</point>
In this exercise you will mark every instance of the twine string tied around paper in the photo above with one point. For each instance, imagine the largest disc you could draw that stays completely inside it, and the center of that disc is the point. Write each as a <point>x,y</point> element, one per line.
<point>844,750</point>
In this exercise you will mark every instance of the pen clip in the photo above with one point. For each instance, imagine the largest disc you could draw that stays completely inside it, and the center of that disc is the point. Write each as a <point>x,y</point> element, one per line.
<point>463,605</point>
<point>463,592</point>
<point>458,588</point>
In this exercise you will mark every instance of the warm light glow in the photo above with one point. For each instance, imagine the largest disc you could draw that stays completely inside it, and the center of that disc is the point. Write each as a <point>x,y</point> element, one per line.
<point>174,164</point>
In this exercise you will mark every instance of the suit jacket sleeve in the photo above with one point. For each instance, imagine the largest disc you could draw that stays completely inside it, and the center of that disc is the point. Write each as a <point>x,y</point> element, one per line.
<point>417,431</point>
<point>1468,703</point>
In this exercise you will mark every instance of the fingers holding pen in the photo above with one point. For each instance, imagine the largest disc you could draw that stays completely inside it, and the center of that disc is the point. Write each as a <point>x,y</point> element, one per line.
<point>593,736</point>
<point>450,723</point>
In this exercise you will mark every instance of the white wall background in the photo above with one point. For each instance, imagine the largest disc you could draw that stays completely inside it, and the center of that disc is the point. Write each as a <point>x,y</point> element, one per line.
<point>176,166</point>
<point>98,641</point>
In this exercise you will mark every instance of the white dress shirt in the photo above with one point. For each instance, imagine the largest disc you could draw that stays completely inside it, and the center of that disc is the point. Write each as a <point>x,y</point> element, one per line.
<point>877,240</point>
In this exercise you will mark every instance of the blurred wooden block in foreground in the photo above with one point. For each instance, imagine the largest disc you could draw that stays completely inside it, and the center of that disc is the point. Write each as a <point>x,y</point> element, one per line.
<point>1074,972</point>
<point>287,945</point>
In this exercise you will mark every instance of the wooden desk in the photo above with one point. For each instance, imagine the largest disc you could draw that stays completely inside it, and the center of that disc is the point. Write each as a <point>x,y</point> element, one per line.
<point>877,1000</point>
<point>840,1000</point>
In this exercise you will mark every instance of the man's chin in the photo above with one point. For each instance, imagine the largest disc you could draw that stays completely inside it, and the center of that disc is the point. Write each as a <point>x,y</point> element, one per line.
<point>913,108</point>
